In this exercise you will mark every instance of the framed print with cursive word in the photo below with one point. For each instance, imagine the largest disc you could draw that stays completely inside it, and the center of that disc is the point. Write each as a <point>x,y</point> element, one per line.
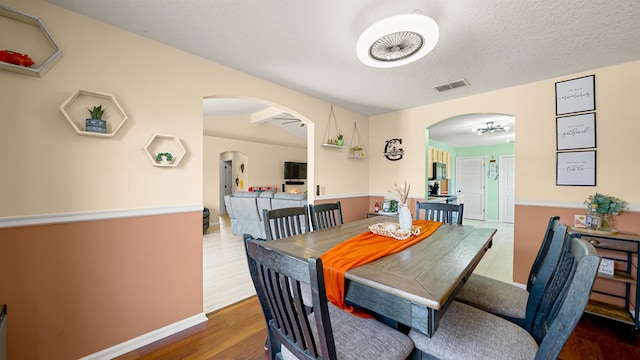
<point>576,168</point>
<point>576,95</point>
<point>576,132</point>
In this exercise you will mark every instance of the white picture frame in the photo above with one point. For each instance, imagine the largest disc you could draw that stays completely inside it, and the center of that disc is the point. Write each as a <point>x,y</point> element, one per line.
<point>607,266</point>
<point>576,168</point>
<point>575,95</point>
<point>576,132</point>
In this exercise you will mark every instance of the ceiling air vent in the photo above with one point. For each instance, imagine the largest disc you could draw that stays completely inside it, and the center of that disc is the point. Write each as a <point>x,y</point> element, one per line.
<point>452,85</point>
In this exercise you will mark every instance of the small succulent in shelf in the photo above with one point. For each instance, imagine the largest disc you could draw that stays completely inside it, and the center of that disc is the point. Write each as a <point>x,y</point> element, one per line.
<point>339,140</point>
<point>340,136</point>
<point>166,155</point>
<point>96,112</point>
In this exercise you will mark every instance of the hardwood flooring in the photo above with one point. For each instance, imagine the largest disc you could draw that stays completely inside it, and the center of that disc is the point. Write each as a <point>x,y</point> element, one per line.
<point>236,329</point>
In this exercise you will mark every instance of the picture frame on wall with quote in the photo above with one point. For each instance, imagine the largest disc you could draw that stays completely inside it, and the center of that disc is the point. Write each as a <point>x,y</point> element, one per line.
<point>576,132</point>
<point>576,95</point>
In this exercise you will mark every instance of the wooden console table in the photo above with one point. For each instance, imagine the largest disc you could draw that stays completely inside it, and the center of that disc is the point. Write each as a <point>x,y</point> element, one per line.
<point>626,248</point>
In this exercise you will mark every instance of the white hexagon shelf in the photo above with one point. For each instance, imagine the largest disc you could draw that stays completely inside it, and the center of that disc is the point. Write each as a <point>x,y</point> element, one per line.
<point>75,111</point>
<point>26,34</point>
<point>162,144</point>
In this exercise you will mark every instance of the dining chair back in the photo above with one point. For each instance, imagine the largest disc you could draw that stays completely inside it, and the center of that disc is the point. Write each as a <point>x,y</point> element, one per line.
<point>324,332</point>
<point>510,301</point>
<point>446,213</point>
<point>552,225</point>
<point>285,222</point>
<point>468,332</point>
<point>325,215</point>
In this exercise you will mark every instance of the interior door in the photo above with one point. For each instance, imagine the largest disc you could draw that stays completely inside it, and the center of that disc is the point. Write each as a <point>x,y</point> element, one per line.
<point>470,181</point>
<point>507,176</point>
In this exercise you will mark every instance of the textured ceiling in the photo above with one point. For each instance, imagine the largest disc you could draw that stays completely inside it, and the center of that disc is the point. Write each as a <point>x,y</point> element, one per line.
<point>309,45</point>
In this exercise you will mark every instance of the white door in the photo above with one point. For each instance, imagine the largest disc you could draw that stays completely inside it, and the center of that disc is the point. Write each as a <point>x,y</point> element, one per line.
<point>507,174</point>
<point>470,181</point>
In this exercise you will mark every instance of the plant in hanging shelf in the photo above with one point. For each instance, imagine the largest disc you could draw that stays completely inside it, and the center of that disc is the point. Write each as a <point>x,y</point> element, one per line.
<point>357,151</point>
<point>95,123</point>
<point>605,206</point>
<point>15,58</point>
<point>339,140</point>
<point>400,194</point>
<point>164,158</point>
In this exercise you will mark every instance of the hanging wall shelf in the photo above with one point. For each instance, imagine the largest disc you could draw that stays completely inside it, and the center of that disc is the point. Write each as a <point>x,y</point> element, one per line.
<point>159,146</point>
<point>356,148</point>
<point>27,41</point>
<point>333,137</point>
<point>75,108</point>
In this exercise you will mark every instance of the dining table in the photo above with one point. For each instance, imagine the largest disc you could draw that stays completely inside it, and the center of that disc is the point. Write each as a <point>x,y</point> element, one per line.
<point>413,287</point>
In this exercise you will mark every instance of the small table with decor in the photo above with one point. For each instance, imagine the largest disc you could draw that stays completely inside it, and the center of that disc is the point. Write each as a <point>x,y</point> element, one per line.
<point>414,286</point>
<point>618,267</point>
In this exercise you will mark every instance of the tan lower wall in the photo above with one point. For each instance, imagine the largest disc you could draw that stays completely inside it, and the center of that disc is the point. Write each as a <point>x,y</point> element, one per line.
<point>531,222</point>
<point>353,208</point>
<point>356,208</point>
<point>77,288</point>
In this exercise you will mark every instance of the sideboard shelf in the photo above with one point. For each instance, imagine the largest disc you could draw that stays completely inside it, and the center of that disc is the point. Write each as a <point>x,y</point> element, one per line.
<point>623,249</point>
<point>29,36</point>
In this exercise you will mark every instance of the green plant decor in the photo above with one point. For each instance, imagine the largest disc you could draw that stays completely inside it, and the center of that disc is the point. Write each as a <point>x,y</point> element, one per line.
<point>340,136</point>
<point>166,155</point>
<point>607,206</point>
<point>96,112</point>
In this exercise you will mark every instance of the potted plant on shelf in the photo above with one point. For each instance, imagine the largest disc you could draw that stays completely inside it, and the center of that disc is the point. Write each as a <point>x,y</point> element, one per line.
<point>357,151</point>
<point>339,140</point>
<point>95,123</point>
<point>604,207</point>
<point>164,158</point>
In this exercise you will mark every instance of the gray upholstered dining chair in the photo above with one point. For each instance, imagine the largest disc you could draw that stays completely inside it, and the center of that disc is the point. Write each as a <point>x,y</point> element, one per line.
<point>325,332</point>
<point>285,222</point>
<point>446,213</point>
<point>510,301</point>
<point>325,215</point>
<point>465,332</point>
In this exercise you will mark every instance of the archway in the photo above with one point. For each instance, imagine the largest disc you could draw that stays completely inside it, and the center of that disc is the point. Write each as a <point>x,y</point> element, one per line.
<point>471,136</point>
<point>259,130</point>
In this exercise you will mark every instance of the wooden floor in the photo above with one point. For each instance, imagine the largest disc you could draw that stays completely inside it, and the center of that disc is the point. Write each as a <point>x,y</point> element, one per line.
<point>238,331</point>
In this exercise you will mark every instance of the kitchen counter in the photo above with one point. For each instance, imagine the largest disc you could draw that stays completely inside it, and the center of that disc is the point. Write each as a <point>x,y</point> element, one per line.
<point>442,198</point>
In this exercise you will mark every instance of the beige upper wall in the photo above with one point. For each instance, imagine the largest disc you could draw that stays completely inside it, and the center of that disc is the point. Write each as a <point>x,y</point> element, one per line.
<point>49,169</point>
<point>533,105</point>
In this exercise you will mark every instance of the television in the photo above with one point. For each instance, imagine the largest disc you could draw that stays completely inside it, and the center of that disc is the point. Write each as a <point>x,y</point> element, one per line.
<point>295,170</point>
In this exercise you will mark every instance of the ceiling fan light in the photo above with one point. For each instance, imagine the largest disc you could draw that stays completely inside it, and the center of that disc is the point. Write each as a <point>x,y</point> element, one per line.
<point>397,40</point>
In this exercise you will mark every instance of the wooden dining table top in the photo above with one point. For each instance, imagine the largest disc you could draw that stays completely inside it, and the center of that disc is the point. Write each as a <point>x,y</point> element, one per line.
<point>410,286</point>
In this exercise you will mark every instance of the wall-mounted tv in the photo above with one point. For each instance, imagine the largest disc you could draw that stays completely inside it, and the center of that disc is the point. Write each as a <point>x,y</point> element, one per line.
<point>295,170</point>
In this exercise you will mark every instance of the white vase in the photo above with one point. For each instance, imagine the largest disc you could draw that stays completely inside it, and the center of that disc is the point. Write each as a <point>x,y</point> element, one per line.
<point>404,217</point>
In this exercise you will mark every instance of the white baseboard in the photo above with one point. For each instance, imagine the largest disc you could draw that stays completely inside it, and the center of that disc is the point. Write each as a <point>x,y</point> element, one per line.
<point>147,338</point>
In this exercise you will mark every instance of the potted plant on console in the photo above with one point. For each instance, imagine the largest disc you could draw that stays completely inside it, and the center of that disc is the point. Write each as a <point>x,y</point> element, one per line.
<point>95,123</point>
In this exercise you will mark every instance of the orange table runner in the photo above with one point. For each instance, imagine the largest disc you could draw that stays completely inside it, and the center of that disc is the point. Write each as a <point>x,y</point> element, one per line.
<point>360,250</point>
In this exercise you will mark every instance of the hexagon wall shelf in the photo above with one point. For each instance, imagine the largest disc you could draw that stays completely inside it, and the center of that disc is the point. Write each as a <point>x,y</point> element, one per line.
<point>26,34</point>
<point>159,143</point>
<point>75,111</point>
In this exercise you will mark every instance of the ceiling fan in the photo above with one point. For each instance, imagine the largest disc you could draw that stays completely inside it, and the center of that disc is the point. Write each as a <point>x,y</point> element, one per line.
<point>491,128</point>
<point>288,119</point>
